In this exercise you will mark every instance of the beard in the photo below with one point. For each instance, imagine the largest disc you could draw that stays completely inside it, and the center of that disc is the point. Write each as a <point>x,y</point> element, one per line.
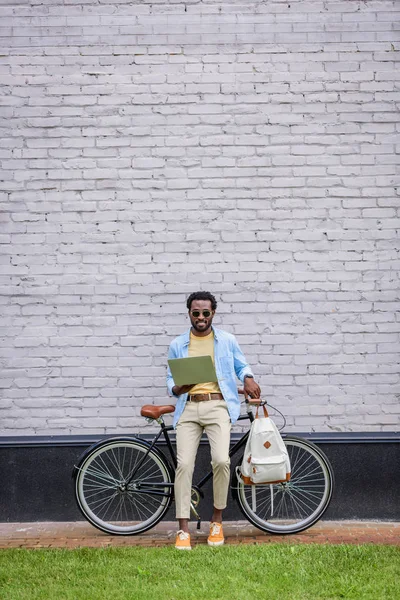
<point>201,327</point>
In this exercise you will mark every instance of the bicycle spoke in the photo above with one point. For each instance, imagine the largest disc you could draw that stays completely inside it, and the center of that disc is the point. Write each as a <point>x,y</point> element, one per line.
<point>100,475</point>
<point>103,504</point>
<point>92,494</point>
<point>144,474</point>
<point>98,480</point>
<point>117,463</point>
<point>136,502</point>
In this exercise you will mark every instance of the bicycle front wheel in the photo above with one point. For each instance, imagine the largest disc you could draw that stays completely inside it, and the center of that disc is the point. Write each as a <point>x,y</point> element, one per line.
<point>295,505</point>
<point>114,501</point>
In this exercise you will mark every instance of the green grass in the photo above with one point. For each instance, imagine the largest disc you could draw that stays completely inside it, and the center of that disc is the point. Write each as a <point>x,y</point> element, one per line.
<point>270,572</point>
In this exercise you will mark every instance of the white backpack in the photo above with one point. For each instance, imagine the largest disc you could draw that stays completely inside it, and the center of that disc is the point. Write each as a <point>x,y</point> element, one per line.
<point>265,459</point>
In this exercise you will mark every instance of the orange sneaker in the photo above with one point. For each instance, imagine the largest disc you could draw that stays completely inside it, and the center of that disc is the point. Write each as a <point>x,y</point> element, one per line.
<point>216,537</point>
<point>182,541</point>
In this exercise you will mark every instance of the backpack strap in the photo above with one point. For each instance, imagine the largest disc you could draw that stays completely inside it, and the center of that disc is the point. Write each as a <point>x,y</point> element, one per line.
<point>264,409</point>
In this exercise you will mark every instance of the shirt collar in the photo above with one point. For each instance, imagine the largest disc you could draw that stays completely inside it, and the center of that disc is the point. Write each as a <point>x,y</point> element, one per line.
<point>186,338</point>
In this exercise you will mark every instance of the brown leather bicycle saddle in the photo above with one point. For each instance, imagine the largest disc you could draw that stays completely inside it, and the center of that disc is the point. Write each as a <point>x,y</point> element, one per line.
<point>155,412</point>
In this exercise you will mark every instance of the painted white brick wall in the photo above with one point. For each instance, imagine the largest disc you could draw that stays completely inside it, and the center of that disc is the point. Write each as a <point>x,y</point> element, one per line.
<point>150,149</point>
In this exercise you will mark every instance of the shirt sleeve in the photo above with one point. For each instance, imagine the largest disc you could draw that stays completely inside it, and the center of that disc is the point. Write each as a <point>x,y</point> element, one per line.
<point>241,365</point>
<point>170,381</point>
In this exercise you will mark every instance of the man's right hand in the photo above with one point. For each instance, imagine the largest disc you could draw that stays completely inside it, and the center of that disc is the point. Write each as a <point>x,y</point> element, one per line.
<point>177,390</point>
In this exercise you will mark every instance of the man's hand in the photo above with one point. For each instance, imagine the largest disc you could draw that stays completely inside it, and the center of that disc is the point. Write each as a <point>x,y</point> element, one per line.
<point>177,390</point>
<point>251,388</point>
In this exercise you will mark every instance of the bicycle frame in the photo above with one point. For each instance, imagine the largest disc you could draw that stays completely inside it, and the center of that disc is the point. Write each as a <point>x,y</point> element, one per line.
<point>164,429</point>
<point>108,479</point>
<point>158,489</point>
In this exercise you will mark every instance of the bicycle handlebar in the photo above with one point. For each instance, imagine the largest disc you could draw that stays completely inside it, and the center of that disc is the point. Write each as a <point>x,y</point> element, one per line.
<point>252,402</point>
<point>249,400</point>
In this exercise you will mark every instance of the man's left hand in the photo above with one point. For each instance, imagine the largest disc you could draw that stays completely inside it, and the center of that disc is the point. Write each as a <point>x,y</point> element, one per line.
<point>251,388</point>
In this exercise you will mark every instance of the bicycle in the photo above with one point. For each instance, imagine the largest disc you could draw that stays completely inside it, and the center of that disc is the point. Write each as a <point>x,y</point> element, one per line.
<point>125,485</point>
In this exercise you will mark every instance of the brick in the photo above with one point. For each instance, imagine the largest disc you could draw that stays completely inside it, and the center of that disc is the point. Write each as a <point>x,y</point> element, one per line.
<point>261,164</point>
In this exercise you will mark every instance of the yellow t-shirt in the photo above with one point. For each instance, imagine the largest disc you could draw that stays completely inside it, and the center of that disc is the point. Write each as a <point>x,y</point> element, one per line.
<point>203,346</point>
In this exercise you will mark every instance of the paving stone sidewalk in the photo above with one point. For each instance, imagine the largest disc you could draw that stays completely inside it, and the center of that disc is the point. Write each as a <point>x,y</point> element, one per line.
<point>81,534</point>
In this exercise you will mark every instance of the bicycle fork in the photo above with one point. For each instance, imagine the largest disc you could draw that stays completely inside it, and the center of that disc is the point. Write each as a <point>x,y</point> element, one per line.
<point>196,514</point>
<point>196,494</point>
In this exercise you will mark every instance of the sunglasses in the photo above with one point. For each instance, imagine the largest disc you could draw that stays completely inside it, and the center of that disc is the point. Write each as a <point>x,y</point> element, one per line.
<point>197,313</point>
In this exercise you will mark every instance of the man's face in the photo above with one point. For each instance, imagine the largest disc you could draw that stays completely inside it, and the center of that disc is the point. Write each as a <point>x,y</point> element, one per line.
<point>199,321</point>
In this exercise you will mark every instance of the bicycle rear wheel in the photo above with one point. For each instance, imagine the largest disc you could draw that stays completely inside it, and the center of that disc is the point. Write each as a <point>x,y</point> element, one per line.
<point>109,501</point>
<point>295,505</point>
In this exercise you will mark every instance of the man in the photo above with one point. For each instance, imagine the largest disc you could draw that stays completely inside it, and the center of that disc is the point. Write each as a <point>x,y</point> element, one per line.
<point>211,407</point>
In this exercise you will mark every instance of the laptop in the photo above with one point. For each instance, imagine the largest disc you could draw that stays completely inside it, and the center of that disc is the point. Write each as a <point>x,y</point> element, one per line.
<point>192,370</point>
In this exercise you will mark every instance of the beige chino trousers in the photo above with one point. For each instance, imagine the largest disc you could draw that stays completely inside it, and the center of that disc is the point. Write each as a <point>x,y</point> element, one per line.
<point>212,417</point>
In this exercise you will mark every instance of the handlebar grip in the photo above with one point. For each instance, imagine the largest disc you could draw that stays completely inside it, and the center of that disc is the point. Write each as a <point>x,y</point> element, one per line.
<point>254,401</point>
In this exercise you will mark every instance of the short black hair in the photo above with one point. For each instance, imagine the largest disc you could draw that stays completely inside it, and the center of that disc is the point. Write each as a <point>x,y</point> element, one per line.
<point>202,296</point>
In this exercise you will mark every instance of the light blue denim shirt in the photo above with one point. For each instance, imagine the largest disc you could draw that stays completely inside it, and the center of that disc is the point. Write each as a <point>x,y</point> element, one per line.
<point>229,362</point>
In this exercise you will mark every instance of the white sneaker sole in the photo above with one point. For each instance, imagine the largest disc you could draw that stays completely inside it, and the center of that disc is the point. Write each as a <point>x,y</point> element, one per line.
<point>183,547</point>
<point>216,543</point>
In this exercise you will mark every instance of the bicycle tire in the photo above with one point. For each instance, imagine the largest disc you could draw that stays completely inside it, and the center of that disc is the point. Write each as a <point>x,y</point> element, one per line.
<point>107,502</point>
<point>290,507</point>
